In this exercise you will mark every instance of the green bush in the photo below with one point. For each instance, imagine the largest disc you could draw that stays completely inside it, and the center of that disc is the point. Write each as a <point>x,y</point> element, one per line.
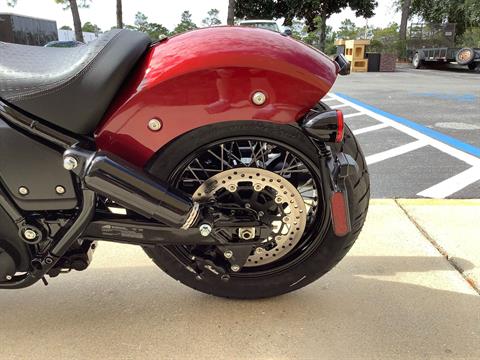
<point>471,38</point>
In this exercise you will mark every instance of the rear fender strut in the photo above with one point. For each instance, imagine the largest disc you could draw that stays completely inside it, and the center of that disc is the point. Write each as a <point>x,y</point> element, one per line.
<point>325,127</point>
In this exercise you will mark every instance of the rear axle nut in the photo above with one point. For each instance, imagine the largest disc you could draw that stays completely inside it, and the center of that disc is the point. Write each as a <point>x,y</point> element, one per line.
<point>205,229</point>
<point>30,234</point>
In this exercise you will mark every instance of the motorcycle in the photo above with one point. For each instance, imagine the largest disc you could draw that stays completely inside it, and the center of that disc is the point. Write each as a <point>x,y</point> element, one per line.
<point>211,149</point>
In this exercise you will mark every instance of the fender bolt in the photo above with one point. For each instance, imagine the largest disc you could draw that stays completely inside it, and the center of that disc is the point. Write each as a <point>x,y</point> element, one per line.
<point>154,124</point>
<point>70,163</point>
<point>228,254</point>
<point>259,98</point>
<point>235,268</point>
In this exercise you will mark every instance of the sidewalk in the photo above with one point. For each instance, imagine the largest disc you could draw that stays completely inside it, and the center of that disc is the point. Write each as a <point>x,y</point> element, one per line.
<point>394,296</point>
<point>453,227</point>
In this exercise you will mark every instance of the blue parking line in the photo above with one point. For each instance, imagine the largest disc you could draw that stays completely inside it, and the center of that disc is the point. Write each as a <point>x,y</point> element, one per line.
<point>453,142</point>
<point>448,96</point>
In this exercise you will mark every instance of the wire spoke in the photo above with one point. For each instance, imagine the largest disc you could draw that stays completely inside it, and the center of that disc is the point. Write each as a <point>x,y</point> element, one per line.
<point>194,174</point>
<point>223,162</point>
<point>201,167</point>
<point>253,158</point>
<point>231,154</point>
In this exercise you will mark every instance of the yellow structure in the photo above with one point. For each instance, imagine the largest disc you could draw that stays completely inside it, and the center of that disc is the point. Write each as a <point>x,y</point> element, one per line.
<point>355,53</point>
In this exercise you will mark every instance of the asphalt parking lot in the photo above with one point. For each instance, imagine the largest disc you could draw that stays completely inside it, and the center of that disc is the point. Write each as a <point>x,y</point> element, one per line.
<point>420,130</point>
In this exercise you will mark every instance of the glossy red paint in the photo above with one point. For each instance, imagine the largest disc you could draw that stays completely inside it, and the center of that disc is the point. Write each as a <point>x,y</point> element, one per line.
<point>207,76</point>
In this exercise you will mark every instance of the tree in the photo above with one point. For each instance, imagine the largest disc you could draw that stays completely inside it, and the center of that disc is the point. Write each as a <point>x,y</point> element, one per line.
<point>154,30</point>
<point>464,13</point>
<point>119,15</point>
<point>471,38</point>
<point>141,22</point>
<point>348,30</point>
<point>92,28</point>
<point>212,18</point>
<point>309,10</point>
<point>73,5</point>
<point>406,7</point>
<point>386,40</point>
<point>186,23</point>
<point>66,27</point>
<point>231,13</point>
<point>313,37</point>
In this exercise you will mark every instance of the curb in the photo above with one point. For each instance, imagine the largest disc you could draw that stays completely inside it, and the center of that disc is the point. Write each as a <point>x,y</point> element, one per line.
<point>441,202</point>
<point>403,204</point>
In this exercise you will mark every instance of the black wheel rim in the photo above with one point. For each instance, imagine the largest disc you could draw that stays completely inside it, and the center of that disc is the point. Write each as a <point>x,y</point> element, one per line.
<point>206,161</point>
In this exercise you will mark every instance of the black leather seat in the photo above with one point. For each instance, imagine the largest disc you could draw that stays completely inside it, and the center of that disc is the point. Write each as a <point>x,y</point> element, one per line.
<point>69,87</point>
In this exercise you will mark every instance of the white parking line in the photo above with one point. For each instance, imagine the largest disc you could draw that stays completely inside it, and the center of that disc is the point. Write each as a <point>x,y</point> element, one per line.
<point>384,155</point>
<point>453,184</point>
<point>348,116</point>
<point>369,129</point>
<point>469,159</point>
<point>338,106</point>
<point>441,190</point>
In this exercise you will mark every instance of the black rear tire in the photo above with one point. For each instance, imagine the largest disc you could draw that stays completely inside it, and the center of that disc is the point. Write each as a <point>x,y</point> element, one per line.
<point>474,66</point>
<point>465,56</point>
<point>330,249</point>
<point>417,62</point>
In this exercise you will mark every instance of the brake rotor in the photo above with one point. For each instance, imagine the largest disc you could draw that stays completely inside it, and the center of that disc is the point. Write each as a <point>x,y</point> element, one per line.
<point>289,222</point>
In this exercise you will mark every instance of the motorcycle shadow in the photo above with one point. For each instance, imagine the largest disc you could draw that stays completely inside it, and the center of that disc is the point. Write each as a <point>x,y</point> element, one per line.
<point>415,306</point>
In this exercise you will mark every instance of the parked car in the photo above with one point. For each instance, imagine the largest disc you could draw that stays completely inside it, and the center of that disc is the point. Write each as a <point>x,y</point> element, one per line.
<point>64,44</point>
<point>262,24</point>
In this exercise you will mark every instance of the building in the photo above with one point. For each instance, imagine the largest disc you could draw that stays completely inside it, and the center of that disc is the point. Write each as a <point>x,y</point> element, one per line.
<point>19,29</point>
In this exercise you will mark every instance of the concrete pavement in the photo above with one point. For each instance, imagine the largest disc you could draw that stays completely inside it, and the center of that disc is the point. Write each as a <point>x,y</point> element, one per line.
<point>453,228</point>
<point>394,296</point>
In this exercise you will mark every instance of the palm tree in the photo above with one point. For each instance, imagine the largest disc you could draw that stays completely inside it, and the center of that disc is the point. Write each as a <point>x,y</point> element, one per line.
<point>231,12</point>
<point>77,23</point>
<point>119,15</point>
<point>406,9</point>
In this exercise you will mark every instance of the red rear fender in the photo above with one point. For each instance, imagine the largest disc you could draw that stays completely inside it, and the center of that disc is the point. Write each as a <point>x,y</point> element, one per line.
<point>209,76</point>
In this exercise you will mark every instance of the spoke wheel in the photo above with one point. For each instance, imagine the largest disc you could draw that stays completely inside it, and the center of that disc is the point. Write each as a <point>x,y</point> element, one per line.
<point>215,152</point>
<point>270,179</point>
